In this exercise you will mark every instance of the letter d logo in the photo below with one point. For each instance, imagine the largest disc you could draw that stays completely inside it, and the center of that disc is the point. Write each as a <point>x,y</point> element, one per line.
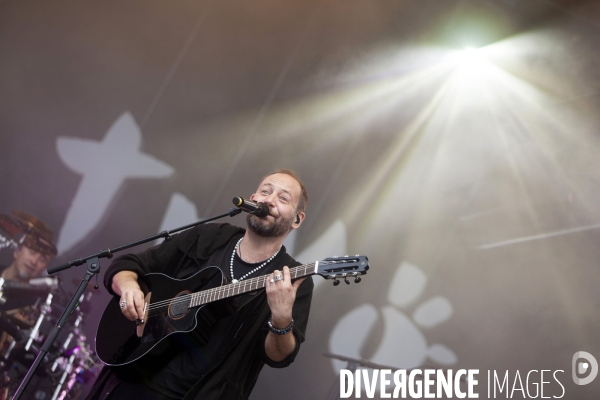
<point>580,368</point>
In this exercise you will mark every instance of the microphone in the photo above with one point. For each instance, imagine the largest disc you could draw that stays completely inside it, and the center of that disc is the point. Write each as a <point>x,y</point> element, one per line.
<point>252,207</point>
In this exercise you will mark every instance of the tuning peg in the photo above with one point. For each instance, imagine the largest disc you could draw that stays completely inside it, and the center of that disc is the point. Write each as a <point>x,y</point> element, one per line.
<point>357,280</point>
<point>346,280</point>
<point>336,282</point>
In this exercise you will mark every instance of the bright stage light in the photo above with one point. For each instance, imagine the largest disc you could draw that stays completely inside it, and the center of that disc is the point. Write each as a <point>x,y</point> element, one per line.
<point>464,56</point>
<point>470,66</point>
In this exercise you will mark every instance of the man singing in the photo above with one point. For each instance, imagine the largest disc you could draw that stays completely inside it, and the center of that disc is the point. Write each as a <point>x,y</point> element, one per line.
<point>267,329</point>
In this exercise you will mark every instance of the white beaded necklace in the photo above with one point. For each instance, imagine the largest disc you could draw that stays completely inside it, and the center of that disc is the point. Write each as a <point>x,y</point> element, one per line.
<point>233,280</point>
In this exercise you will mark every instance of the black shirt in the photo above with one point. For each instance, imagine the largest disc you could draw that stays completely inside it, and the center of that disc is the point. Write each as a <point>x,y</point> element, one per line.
<point>176,376</point>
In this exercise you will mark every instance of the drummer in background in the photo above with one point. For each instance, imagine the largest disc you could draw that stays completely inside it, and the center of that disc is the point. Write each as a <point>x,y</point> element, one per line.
<point>34,250</point>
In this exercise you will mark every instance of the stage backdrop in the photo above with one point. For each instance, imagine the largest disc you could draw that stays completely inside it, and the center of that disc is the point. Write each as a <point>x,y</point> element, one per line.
<point>455,143</point>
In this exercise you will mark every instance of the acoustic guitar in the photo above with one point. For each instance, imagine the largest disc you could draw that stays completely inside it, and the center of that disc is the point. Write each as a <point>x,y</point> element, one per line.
<point>172,305</point>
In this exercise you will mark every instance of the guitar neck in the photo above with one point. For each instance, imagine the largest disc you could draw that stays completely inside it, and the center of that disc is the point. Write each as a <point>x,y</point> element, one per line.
<point>245,286</point>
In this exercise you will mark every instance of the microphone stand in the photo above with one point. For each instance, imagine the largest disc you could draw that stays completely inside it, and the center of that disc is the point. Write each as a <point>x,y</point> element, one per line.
<point>93,268</point>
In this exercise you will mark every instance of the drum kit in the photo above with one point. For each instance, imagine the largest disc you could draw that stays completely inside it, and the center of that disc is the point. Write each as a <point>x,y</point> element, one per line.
<point>28,312</point>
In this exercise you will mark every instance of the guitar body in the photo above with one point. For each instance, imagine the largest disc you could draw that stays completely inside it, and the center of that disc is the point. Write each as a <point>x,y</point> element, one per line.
<point>117,340</point>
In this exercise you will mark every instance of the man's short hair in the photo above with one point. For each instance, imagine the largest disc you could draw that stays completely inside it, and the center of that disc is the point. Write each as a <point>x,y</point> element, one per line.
<point>303,202</point>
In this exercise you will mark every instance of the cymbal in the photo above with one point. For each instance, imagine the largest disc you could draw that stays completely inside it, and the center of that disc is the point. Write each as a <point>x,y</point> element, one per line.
<point>32,224</point>
<point>10,226</point>
<point>29,231</point>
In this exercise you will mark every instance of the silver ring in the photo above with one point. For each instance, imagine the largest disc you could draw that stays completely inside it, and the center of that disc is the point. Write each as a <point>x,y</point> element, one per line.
<point>122,304</point>
<point>272,281</point>
<point>278,277</point>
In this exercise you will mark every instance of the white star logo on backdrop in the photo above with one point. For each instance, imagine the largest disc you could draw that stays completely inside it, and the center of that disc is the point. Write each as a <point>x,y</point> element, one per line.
<point>104,166</point>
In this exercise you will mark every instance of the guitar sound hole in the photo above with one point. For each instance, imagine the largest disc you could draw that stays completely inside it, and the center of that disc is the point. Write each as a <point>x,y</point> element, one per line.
<point>179,306</point>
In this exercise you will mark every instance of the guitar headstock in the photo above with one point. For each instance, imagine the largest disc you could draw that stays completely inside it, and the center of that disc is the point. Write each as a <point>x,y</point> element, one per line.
<point>345,267</point>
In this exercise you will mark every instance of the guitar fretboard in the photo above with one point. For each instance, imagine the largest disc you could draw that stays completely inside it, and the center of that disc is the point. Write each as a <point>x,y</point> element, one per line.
<point>245,286</point>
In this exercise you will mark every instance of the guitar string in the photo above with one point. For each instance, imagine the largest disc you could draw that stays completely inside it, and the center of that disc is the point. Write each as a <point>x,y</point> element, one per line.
<point>222,292</point>
<point>241,286</point>
<point>159,307</point>
<point>216,293</point>
<point>188,299</point>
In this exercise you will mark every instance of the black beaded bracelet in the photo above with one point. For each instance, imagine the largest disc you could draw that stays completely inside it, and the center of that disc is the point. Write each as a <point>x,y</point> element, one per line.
<point>281,331</point>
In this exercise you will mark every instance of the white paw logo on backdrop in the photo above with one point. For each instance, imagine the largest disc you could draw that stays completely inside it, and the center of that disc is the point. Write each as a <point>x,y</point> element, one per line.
<point>403,344</point>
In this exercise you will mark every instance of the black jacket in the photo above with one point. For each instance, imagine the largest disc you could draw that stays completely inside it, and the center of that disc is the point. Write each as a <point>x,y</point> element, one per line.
<point>240,356</point>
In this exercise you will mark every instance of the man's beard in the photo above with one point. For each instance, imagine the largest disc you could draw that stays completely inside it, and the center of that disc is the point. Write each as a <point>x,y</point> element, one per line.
<point>24,274</point>
<point>265,228</point>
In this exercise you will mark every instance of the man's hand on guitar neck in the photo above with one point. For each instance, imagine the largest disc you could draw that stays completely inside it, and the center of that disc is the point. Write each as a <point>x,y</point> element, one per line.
<point>281,294</point>
<point>125,284</point>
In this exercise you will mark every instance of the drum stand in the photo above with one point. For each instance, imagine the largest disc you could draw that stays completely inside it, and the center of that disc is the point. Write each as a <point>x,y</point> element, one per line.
<point>93,268</point>
<point>73,354</point>
<point>45,309</point>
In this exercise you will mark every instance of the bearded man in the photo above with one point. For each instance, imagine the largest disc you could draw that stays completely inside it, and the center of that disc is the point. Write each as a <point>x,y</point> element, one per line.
<point>267,329</point>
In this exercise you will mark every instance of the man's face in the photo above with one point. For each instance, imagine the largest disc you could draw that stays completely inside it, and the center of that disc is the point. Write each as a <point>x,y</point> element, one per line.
<point>281,193</point>
<point>30,263</point>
